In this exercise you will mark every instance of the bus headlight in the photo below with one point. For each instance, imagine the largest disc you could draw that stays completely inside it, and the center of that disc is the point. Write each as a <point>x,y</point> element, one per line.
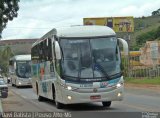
<point>69,88</point>
<point>69,97</point>
<point>119,85</point>
<point>19,83</point>
<point>119,94</point>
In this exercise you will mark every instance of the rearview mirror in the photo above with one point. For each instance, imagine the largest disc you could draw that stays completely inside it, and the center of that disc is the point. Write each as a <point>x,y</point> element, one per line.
<point>125,46</point>
<point>57,50</point>
<point>3,94</point>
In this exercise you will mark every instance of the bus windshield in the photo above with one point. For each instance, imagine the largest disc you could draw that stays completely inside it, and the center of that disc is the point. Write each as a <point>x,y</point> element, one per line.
<point>23,69</point>
<point>90,59</point>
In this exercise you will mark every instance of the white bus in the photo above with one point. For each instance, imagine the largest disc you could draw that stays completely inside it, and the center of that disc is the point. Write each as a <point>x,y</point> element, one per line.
<point>78,64</point>
<point>20,70</point>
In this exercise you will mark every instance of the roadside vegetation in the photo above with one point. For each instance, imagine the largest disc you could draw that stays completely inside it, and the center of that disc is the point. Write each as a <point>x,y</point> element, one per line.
<point>5,55</point>
<point>149,81</point>
<point>8,11</point>
<point>148,36</point>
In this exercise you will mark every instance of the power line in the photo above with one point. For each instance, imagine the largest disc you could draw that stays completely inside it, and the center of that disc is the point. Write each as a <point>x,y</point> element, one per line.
<point>38,28</point>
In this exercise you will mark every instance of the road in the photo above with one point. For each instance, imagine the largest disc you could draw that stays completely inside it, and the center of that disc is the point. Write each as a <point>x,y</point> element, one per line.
<point>135,100</point>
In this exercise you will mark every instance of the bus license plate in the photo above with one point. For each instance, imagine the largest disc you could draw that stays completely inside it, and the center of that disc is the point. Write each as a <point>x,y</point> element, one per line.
<point>95,97</point>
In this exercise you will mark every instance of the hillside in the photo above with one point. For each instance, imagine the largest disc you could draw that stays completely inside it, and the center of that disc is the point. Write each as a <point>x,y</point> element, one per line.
<point>144,25</point>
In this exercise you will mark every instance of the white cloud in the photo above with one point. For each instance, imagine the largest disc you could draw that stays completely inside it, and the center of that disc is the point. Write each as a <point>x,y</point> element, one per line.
<point>36,17</point>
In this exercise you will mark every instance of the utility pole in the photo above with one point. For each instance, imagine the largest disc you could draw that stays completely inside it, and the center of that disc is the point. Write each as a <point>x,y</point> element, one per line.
<point>127,24</point>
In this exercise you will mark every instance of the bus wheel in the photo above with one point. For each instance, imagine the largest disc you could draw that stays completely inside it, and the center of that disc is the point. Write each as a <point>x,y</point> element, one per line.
<point>106,104</point>
<point>15,84</point>
<point>58,105</point>
<point>40,98</point>
<point>12,82</point>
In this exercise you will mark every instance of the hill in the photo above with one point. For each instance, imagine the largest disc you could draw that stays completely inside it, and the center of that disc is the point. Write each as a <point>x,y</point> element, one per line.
<point>144,25</point>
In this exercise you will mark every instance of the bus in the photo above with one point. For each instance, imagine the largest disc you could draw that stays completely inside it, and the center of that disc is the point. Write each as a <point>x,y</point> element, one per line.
<point>20,70</point>
<point>78,64</point>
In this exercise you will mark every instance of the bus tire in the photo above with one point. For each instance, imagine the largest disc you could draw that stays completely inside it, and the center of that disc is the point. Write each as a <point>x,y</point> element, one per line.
<point>40,98</point>
<point>106,104</point>
<point>58,105</point>
<point>12,82</point>
<point>15,84</point>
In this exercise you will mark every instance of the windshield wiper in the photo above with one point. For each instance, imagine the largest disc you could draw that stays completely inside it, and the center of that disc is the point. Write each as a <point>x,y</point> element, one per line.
<point>116,75</point>
<point>101,69</point>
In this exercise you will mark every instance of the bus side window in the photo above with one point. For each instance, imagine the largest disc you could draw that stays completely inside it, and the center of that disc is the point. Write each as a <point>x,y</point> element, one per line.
<point>52,69</point>
<point>41,51</point>
<point>10,62</point>
<point>49,49</point>
<point>44,50</point>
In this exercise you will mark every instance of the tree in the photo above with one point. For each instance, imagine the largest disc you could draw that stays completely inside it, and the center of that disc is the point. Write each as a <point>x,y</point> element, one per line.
<point>5,55</point>
<point>155,13</point>
<point>8,10</point>
<point>157,34</point>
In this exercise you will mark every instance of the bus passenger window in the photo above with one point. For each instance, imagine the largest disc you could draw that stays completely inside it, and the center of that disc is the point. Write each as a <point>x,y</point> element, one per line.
<point>52,69</point>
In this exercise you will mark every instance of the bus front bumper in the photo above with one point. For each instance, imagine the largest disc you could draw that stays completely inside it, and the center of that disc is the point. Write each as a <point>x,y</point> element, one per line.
<point>23,83</point>
<point>71,97</point>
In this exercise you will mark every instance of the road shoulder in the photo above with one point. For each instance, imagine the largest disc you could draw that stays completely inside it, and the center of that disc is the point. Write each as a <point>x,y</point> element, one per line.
<point>143,86</point>
<point>1,108</point>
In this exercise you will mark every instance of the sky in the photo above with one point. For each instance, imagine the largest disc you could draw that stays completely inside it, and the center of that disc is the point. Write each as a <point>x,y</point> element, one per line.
<point>37,17</point>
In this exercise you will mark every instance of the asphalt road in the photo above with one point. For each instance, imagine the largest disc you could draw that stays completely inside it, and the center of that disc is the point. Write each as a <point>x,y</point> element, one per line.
<point>135,100</point>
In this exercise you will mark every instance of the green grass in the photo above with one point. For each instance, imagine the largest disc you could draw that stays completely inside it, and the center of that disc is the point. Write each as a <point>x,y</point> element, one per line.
<point>150,23</point>
<point>153,81</point>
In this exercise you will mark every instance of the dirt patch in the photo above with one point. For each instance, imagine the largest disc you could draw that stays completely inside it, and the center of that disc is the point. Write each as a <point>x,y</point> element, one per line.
<point>144,86</point>
<point>9,102</point>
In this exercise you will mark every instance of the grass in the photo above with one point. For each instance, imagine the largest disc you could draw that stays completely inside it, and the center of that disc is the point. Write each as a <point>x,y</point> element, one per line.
<point>152,81</point>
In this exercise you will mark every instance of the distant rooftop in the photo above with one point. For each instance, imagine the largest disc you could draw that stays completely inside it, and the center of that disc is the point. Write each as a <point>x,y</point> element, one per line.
<point>16,41</point>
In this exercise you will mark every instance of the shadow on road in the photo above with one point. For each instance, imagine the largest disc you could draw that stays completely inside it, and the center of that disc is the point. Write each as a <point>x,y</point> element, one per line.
<point>81,107</point>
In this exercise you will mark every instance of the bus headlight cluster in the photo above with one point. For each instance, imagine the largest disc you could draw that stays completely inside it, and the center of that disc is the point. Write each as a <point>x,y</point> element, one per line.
<point>19,83</point>
<point>119,94</point>
<point>69,88</point>
<point>69,97</point>
<point>119,85</point>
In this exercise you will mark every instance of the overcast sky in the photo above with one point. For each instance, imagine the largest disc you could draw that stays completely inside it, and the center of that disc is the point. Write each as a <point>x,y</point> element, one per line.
<point>36,17</point>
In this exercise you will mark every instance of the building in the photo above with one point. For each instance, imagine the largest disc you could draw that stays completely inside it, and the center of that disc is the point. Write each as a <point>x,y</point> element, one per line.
<point>150,53</point>
<point>18,46</point>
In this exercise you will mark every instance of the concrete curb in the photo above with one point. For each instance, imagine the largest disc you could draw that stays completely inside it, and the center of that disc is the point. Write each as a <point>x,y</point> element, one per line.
<point>1,108</point>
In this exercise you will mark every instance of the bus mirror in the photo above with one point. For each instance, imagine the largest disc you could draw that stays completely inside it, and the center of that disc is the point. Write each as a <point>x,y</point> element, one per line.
<point>15,65</point>
<point>125,46</point>
<point>3,94</point>
<point>57,50</point>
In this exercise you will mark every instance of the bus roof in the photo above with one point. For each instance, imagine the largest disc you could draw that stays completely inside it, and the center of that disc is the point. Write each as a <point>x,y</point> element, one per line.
<point>84,31</point>
<point>79,31</point>
<point>21,58</point>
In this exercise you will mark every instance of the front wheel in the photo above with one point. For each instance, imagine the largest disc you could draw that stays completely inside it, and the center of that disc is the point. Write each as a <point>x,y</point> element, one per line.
<point>106,104</point>
<point>40,98</point>
<point>58,105</point>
